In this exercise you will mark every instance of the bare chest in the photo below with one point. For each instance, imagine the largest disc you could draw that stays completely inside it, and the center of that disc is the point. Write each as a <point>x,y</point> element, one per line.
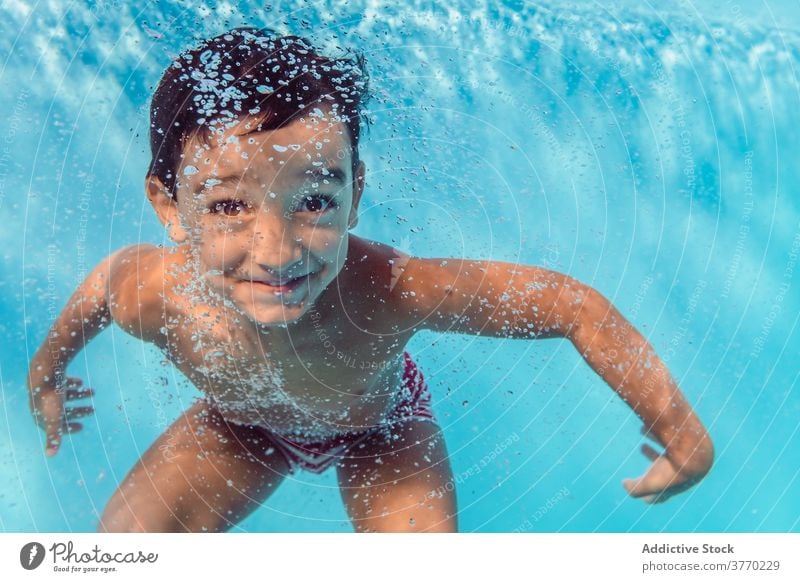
<point>333,379</point>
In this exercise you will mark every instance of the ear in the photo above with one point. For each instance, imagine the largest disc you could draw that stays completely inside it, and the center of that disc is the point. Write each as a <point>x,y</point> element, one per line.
<point>166,208</point>
<point>358,190</point>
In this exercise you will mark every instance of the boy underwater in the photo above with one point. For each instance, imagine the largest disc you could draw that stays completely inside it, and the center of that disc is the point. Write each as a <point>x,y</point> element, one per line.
<point>294,329</point>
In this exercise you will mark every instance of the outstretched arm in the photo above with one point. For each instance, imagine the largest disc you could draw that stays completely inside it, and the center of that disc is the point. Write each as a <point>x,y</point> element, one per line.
<point>86,314</point>
<point>628,363</point>
<point>500,299</point>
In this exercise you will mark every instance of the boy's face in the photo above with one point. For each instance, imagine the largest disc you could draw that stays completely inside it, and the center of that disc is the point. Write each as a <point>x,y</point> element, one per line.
<point>266,214</point>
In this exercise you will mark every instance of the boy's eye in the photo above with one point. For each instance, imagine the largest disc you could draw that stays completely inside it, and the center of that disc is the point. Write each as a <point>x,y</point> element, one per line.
<point>228,207</point>
<point>317,203</point>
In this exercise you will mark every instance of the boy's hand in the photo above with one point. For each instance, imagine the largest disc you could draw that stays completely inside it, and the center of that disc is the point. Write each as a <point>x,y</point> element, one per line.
<point>48,406</point>
<point>663,479</point>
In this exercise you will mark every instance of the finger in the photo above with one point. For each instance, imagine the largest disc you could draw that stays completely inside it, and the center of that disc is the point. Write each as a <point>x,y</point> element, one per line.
<point>640,487</point>
<point>53,439</point>
<point>646,432</point>
<point>48,413</point>
<point>662,497</point>
<point>78,412</point>
<point>77,394</point>
<point>69,383</point>
<point>633,487</point>
<point>650,452</point>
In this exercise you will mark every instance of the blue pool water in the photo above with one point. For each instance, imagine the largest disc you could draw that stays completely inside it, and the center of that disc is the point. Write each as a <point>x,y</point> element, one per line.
<point>651,153</point>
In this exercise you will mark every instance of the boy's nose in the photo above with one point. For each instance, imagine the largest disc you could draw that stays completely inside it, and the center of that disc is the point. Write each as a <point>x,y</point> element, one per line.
<point>274,247</point>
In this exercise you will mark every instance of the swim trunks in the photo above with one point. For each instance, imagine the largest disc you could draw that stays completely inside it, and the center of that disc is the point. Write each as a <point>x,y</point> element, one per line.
<point>414,403</point>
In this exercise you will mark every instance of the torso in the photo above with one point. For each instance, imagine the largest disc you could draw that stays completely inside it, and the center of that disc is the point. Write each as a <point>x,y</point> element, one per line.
<point>339,371</point>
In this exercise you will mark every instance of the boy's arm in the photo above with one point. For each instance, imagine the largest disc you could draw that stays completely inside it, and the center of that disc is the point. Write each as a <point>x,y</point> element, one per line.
<point>498,299</point>
<point>86,314</point>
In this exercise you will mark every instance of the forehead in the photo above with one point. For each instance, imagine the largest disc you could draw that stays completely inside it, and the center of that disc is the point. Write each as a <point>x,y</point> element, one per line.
<point>312,138</point>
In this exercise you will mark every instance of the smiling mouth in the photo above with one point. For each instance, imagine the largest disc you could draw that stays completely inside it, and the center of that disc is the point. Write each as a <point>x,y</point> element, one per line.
<point>285,287</point>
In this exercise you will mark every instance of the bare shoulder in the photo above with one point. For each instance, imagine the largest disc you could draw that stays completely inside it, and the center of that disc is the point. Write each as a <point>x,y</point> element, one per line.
<point>394,274</point>
<point>366,282</point>
<point>415,276</point>
<point>372,250</point>
<point>136,288</point>
<point>375,265</point>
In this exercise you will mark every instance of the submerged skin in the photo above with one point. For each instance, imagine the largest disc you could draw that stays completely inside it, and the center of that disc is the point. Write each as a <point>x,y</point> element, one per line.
<point>325,358</point>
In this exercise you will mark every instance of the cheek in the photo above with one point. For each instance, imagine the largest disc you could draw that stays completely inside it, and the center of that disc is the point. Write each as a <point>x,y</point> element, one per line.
<point>326,242</point>
<point>219,246</point>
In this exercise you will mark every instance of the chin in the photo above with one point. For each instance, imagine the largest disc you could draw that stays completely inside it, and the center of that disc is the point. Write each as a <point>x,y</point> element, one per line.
<point>274,316</point>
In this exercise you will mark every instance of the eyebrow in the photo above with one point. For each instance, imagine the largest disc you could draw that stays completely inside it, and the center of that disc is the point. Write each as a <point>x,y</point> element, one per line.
<point>219,181</point>
<point>334,173</point>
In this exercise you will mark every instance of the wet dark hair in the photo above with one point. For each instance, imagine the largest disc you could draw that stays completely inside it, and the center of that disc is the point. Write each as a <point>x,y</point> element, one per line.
<point>254,74</point>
